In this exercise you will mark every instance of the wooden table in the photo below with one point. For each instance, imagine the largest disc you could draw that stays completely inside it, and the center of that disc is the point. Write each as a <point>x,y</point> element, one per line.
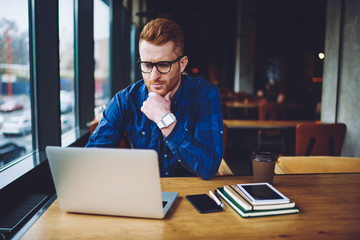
<point>241,110</point>
<point>241,105</point>
<point>261,124</point>
<point>329,209</point>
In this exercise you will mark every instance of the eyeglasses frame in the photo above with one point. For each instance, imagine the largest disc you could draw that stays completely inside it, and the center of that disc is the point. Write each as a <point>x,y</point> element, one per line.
<point>156,63</point>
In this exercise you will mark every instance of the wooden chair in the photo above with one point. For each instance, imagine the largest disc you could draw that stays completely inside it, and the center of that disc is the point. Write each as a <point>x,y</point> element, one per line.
<point>255,99</point>
<point>317,164</point>
<point>253,113</point>
<point>224,169</point>
<point>239,96</point>
<point>271,111</point>
<point>92,125</point>
<point>319,139</point>
<point>271,138</point>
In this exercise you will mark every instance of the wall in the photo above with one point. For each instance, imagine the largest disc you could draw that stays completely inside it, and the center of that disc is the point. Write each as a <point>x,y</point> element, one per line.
<point>341,87</point>
<point>245,48</point>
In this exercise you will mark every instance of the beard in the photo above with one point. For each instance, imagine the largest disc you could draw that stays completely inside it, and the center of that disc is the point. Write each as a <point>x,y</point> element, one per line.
<point>162,87</point>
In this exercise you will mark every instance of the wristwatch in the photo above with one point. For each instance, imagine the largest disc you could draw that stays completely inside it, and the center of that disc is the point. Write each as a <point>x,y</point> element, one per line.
<point>166,120</point>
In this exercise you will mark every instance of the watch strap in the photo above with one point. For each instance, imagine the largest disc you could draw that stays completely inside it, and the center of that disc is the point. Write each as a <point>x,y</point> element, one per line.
<point>162,123</point>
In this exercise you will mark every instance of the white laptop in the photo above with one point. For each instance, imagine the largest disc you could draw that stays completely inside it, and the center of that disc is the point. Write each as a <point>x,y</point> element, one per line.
<point>120,182</point>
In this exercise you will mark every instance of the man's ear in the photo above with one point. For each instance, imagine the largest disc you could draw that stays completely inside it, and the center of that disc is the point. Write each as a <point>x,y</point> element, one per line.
<point>183,63</point>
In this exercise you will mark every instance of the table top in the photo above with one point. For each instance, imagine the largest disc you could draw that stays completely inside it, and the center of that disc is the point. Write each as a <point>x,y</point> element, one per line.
<point>329,209</point>
<point>262,124</point>
<point>236,104</point>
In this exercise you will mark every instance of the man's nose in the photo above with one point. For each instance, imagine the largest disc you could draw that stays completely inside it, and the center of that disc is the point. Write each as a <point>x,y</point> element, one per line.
<point>154,73</point>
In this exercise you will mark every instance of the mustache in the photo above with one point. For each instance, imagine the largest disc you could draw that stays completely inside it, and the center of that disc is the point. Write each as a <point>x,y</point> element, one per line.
<point>156,82</point>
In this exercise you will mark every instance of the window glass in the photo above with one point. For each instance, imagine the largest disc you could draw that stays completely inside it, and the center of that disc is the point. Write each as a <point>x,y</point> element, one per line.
<point>66,48</point>
<point>101,53</point>
<point>15,108</point>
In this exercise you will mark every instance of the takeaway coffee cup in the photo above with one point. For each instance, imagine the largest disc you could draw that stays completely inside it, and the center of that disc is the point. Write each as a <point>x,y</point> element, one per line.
<point>263,166</point>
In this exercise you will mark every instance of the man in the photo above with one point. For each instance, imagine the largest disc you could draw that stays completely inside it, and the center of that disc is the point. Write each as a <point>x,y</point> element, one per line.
<point>179,117</point>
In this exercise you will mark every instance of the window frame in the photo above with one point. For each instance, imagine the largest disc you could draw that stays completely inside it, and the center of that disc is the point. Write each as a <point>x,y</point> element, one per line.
<point>44,88</point>
<point>84,63</point>
<point>30,174</point>
<point>45,71</point>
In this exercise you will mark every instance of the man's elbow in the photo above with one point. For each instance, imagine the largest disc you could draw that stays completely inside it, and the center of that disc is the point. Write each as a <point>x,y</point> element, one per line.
<point>208,175</point>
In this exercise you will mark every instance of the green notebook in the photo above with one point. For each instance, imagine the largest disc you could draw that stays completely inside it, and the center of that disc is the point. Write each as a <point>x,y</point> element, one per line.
<point>245,214</point>
<point>235,193</point>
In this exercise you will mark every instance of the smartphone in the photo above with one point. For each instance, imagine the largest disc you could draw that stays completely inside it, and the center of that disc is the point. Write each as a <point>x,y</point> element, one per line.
<point>262,193</point>
<point>203,203</point>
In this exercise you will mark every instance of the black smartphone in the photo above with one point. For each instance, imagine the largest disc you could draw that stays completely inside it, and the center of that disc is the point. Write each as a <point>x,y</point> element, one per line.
<point>262,193</point>
<point>203,203</point>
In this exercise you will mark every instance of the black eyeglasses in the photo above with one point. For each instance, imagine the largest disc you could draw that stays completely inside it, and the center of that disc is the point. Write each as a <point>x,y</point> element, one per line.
<point>162,66</point>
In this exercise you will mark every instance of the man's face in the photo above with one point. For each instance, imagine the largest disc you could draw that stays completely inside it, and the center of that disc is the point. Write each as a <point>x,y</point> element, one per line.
<point>162,83</point>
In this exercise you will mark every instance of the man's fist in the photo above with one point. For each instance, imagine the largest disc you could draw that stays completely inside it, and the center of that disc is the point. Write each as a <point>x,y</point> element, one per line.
<point>156,106</point>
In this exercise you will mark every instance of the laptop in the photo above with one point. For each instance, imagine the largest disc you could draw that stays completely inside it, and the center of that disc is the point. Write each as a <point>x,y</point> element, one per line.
<point>119,182</point>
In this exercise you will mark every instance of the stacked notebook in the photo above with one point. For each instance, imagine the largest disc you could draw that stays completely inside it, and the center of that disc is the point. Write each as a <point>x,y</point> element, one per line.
<point>256,204</point>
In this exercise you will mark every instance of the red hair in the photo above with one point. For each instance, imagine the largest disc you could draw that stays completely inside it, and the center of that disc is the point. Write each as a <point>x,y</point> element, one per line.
<point>161,31</point>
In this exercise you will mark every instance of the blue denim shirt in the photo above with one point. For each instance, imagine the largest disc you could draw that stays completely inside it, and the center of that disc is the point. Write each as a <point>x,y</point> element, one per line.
<point>196,142</point>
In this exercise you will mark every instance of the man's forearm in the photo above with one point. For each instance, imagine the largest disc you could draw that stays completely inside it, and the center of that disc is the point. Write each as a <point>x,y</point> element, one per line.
<point>196,156</point>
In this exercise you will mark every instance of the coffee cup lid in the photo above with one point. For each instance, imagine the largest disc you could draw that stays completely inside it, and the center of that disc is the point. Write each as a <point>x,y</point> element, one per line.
<point>264,156</point>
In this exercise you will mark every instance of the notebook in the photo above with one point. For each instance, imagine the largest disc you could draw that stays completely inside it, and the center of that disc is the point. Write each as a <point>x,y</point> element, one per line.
<point>120,182</point>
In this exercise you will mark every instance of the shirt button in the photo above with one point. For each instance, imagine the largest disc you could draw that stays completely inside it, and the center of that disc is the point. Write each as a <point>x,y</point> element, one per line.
<point>186,129</point>
<point>167,141</point>
<point>166,173</point>
<point>165,155</point>
<point>221,132</point>
<point>143,133</point>
<point>179,160</point>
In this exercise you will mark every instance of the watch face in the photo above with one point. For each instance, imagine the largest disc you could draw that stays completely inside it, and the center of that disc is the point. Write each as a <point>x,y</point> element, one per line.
<point>168,120</point>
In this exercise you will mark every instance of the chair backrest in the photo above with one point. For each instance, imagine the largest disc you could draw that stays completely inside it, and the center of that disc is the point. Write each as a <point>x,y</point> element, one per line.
<point>271,111</point>
<point>319,139</point>
<point>239,96</point>
<point>255,99</point>
<point>316,164</point>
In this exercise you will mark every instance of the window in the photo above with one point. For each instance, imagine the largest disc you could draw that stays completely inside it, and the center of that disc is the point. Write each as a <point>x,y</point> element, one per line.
<point>66,54</point>
<point>15,108</point>
<point>101,53</point>
<point>51,58</point>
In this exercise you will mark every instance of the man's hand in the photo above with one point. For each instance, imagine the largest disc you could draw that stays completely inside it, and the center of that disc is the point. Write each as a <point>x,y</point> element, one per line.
<point>156,106</point>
